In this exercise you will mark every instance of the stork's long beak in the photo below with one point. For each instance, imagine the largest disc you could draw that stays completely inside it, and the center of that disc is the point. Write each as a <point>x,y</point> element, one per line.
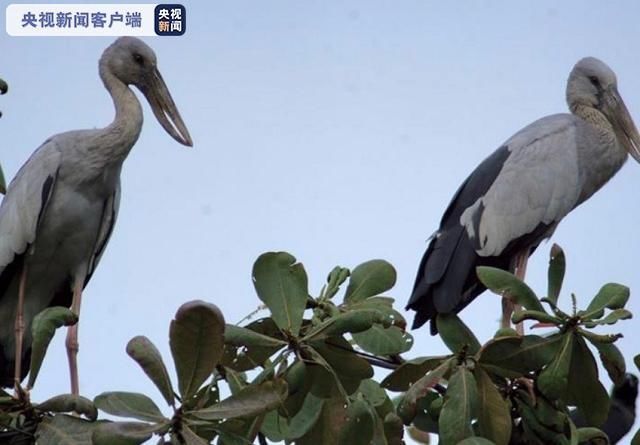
<point>165,109</point>
<point>623,125</point>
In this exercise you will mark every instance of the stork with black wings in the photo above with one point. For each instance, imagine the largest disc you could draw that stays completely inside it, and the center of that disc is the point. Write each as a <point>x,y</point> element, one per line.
<point>517,196</point>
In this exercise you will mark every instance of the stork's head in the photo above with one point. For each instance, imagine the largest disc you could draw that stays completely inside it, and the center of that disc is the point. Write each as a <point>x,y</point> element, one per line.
<point>593,84</point>
<point>132,61</point>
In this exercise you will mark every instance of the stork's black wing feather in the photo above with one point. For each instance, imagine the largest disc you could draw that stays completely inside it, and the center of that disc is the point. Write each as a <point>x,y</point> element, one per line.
<point>446,278</point>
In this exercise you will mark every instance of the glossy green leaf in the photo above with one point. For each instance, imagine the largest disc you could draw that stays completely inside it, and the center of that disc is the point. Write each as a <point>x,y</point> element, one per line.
<point>557,266</point>
<point>553,381</point>
<point>408,406</point>
<point>542,317</point>
<point>456,335</point>
<point>196,337</point>
<point>64,430</point>
<point>369,279</point>
<point>145,353</point>
<point>353,321</point>
<point>515,356</point>
<point>129,404</point>
<point>459,409</point>
<point>358,429</point>
<point>612,360</point>
<point>281,284</point>
<point>250,401</point>
<point>611,295</point>
<point>239,336</point>
<point>494,418</point>
<point>123,433</point>
<point>340,371</point>
<point>43,328</point>
<point>611,318</point>
<point>335,279</point>
<point>301,423</point>
<point>244,357</point>
<point>384,341</point>
<point>410,371</point>
<point>505,283</point>
<point>586,392</point>
<point>67,403</point>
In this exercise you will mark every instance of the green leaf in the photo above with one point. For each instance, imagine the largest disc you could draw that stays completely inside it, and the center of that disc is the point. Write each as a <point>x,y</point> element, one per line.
<point>494,418</point>
<point>515,356</point>
<point>475,441</point>
<point>336,277</point>
<point>408,406</point>
<point>556,273</point>
<point>191,438</point>
<point>339,370</point>
<point>611,318</point>
<point>329,426</point>
<point>586,392</point>
<point>393,429</point>
<point>612,360</point>
<point>64,430</point>
<point>636,361</point>
<point>66,403</point>
<point>456,335</point>
<point>369,279</point>
<point>611,295</point>
<point>553,381</point>
<point>359,427</point>
<point>373,393</point>
<point>145,353</point>
<point>245,357</point>
<point>239,336</point>
<point>281,284</point>
<point>43,328</point>
<point>542,317</point>
<point>592,436</point>
<point>250,401</point>
<point>352,321</point>
<point>129,404</point>
<point>196,337</point>
<point>301,423</point>
<point>459,409</point>
<point>505,283</point>
<point>384,341</point>
<point>410,371</point>
<point>123,433</point>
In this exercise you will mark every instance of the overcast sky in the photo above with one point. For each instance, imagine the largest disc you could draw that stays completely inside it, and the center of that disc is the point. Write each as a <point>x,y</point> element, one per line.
<point>335,130</point>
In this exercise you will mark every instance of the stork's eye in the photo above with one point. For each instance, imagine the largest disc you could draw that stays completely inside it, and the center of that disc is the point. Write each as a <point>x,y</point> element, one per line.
<point>594,81</point>
<point>138,59</point>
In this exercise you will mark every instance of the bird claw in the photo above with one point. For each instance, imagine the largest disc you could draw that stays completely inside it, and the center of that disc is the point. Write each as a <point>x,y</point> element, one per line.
<point>21,394</point>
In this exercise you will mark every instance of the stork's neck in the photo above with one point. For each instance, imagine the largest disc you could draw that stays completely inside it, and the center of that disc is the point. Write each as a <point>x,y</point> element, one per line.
<point>600,155</point>
<point>119,137</point>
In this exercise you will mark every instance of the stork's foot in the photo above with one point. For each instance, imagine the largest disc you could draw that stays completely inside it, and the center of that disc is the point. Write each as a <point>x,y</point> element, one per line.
<point>21,394</point>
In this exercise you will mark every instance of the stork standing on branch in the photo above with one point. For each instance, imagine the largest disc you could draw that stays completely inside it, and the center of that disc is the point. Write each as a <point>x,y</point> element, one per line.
<point>60,209</point>
<point>517,196</point>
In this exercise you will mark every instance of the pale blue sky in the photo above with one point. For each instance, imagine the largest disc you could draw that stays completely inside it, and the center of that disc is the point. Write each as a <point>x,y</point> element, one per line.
<point>337,131</point>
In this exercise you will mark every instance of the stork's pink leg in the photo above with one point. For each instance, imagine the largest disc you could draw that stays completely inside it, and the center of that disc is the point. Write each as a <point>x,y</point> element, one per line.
<point>19,329</point>
<point>519,268</point>
<point>72,338</point>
